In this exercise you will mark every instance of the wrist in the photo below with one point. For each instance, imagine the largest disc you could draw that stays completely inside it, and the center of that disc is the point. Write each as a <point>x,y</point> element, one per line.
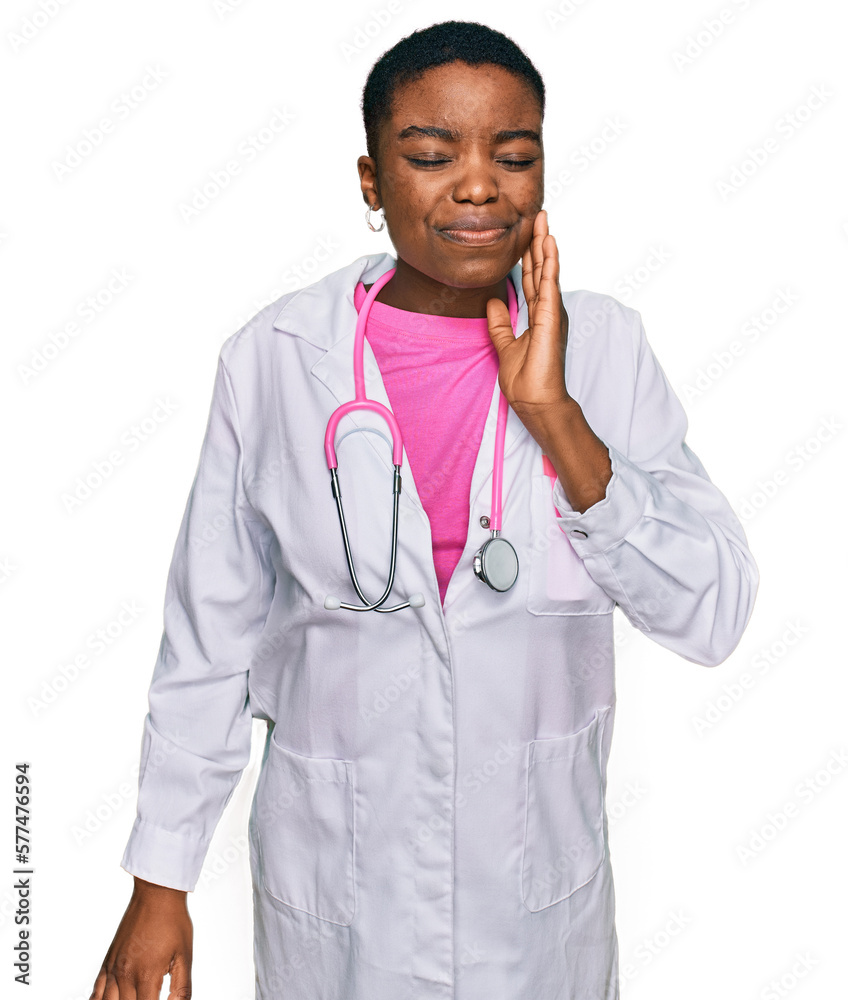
<point>547,421</point>
<point>144,888</point>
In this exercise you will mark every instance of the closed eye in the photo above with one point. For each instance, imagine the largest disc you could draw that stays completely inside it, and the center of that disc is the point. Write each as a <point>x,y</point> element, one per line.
<point>432,163</point>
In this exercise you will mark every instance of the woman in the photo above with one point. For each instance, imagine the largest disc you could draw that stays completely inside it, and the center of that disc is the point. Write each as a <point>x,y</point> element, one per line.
<point>429,819</point>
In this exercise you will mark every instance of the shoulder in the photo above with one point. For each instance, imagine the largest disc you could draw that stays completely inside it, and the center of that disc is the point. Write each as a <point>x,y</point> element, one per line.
<point>314,314</point>
<point>602,327</point>
<point>249,342</point>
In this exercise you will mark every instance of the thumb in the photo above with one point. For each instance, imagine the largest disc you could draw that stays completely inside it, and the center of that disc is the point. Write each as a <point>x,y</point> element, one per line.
<point>500,326</point>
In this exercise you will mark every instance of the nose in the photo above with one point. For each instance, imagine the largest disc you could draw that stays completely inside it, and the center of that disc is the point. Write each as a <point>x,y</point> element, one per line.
<point>476,179</point>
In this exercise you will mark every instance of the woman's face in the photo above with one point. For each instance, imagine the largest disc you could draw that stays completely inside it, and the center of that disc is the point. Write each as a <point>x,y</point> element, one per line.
<point>447,155</point>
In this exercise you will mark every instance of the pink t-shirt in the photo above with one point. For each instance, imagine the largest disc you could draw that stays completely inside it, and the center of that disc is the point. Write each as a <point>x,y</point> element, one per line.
<point>439,373</point>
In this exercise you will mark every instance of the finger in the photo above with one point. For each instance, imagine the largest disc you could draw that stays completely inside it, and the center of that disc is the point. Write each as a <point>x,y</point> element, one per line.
<point>540,231</point>
<point>548,305</point>
<point>527,283</point>
<point>149,988</point>
<point>559,304</point>
<point>560,300</point>
<point>118,991</point>
<point>531,270</point>
<point>152,991</point>
<point>99,986</point>
<point>500,324</point>
<point>554,257</point>
<point>180,978</point>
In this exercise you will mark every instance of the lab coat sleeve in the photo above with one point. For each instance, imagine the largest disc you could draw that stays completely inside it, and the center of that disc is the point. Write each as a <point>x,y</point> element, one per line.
<point>664,542</point>
<point>196,735</point>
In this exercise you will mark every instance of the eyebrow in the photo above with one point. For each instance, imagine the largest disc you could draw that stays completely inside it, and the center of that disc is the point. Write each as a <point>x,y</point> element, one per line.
<point>451,135</point>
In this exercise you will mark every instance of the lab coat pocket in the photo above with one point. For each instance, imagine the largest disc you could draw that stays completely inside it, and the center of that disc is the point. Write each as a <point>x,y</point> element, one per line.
<point>559,583</point>
<point>564,845</point>
<point>305,828</point>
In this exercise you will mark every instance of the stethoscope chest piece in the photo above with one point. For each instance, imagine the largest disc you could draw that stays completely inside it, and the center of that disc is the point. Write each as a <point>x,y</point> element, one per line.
<point>496,564</point>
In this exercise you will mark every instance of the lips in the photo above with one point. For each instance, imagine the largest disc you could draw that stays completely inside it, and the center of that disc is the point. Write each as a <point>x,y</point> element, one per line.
<point>474,237</point>
<point>476,230</point>
<point>477,223</point>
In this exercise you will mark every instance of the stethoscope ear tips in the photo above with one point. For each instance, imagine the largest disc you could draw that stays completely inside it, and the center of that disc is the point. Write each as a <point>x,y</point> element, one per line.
<point>416,600</point>
<point>332,603</point>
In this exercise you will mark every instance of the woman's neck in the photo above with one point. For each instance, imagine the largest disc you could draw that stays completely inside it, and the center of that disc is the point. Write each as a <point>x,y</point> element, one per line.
<point>415,292</point>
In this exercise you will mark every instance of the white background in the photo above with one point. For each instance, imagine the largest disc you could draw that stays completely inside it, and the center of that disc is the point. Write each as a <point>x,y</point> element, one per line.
<point>695,917</point>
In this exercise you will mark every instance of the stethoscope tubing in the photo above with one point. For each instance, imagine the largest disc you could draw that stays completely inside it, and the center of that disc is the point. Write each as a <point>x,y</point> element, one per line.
<point>361,402</point>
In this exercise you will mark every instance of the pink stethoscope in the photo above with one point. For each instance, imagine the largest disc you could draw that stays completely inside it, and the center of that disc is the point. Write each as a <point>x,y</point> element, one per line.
<point>496,562</point>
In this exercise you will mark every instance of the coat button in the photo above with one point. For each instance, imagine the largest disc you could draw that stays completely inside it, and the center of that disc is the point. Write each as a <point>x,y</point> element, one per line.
<point>577,531</point>
<point>484,521</point>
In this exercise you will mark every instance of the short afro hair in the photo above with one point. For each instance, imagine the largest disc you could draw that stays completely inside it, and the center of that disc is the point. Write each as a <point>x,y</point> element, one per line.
<point>437,45</point>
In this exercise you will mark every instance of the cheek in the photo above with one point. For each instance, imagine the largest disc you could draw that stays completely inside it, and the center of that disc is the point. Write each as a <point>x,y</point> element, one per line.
<point>525,231</point>
<point>409,215</point>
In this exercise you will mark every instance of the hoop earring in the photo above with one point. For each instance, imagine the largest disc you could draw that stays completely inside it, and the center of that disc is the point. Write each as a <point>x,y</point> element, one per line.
<point>368,212</point>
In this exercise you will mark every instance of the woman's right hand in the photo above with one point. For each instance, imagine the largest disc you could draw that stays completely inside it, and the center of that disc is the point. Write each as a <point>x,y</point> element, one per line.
<point>153,938</point>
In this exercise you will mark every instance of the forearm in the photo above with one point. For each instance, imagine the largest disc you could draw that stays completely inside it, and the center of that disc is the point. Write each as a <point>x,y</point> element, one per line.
<point>579,456</point>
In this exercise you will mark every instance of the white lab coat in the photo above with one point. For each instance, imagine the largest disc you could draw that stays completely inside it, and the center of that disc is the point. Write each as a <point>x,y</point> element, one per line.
<point>429,820</point>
